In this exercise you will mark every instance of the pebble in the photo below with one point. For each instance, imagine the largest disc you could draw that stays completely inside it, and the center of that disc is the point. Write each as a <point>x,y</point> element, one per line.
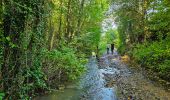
<point>130,87</point>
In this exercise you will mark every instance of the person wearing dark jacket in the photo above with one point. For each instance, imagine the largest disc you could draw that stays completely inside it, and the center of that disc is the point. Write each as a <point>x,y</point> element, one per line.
<point>107,49</point>
<point>112,48</point>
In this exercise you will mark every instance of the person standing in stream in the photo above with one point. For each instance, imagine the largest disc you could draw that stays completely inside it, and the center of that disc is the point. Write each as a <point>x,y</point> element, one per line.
<point>112,48</point>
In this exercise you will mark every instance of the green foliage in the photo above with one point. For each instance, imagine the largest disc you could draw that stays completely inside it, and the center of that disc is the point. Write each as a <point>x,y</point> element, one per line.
<point>89,41</point>
<point>32,53</point>
<point>2,95</point>
<point>155,56</point>
<point>1,35</point>
<point>159,20</point>
<point>102,46</point>
<point>122,49</point>
<point>112,36</point>
<point>1,55</point>
<point>64,65</point>
<point>21,48</point>
<point>109,37</point>
<point>143,28</point>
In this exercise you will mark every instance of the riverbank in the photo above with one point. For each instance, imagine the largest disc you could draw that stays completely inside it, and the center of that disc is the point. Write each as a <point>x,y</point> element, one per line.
<point>148,73</point>
<point>131,82</point>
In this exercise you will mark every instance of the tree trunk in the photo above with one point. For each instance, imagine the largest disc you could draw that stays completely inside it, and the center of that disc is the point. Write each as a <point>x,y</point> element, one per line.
<point>68,20</point>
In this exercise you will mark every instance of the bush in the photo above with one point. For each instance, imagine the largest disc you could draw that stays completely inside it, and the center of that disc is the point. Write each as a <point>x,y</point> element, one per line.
<point>63,66</point>
<point>154,55</point>
<point>2,95</point>
<point>122,49</point>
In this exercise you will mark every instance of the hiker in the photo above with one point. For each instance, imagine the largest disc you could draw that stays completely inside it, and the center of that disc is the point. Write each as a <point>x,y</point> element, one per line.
<point>112,48</point>
<point>107,49</point>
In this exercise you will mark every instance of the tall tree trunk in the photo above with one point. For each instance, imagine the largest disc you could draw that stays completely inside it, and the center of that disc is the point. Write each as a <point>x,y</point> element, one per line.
<point>60,20</point>
<point>68,20</point>
<point>144,18</point>
<point>80,17</point>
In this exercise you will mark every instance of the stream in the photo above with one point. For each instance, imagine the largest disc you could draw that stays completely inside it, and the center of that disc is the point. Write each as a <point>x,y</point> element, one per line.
<point>92,85</point>
<point>110,79</point>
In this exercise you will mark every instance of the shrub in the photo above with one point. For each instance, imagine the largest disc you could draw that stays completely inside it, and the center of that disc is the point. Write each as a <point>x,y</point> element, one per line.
<point>63,66</point>
<point>2,95</point>
<point>154,55</point>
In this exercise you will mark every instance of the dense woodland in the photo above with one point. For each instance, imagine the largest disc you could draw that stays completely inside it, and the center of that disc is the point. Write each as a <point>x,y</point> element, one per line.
<point>144,31</point>
<point>46,43</point>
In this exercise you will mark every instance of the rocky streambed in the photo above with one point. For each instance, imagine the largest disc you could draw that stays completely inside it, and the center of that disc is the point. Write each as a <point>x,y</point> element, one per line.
<point>130,84</point>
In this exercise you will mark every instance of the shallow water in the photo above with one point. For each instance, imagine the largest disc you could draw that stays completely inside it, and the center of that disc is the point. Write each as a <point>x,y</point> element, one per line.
<point>66,94</point>
<point>92,86</point>
<point>94,83</point>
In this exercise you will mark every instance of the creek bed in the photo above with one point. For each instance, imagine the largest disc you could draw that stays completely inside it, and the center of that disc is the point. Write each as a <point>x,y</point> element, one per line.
<point>94,83</point>
<point>92,86</point>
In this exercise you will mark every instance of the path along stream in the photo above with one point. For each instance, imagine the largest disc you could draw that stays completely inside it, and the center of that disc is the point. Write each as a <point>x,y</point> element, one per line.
<point>110,79</point>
